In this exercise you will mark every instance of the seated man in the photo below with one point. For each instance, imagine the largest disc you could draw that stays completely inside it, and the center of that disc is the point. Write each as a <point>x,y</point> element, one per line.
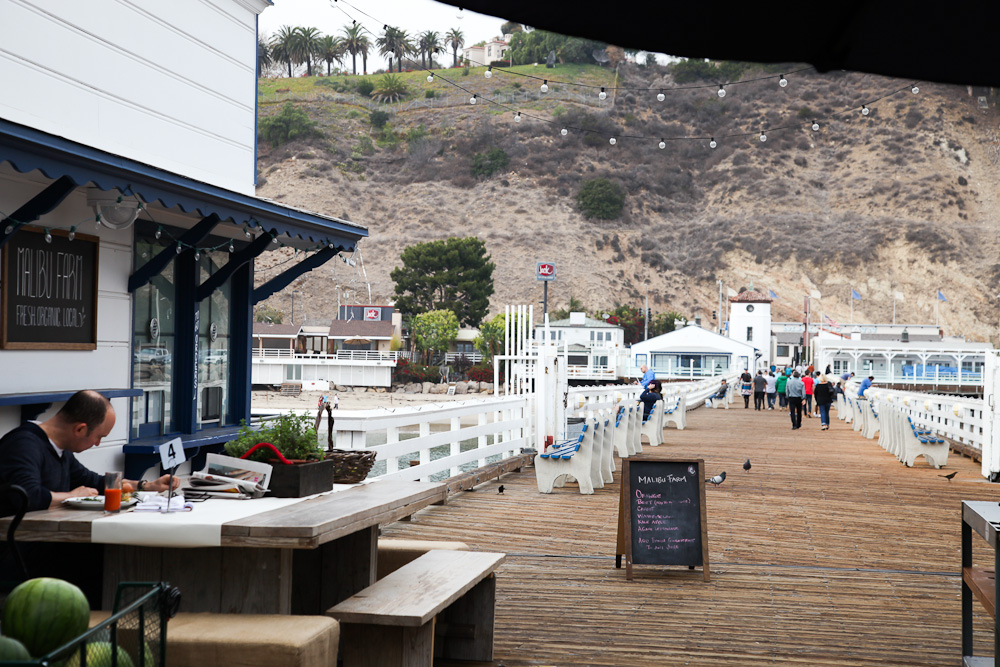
<point>718,396</point>
<point>649,398</point>
<point>40,456</point>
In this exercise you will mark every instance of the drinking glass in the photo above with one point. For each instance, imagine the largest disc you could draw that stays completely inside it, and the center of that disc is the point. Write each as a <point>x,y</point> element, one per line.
<point>112,492</point>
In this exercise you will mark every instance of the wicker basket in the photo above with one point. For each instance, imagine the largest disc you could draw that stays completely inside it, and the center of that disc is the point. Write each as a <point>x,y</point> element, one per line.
<point>350,466</point>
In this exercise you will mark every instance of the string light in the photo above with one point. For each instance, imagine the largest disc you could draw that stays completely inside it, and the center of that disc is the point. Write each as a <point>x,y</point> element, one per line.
<point>10,228</point>
<point>472,100</point>
<point>915,89</point>
<point>159,232</point>
<point>660,96</point>
<point>662,144</point>
<point>179,248</point>
<point>72,232</point>
<point>763,137</point>
<point>602,95</point>
<point>864,110</point>
<point>517,118</point>
<point>274,239</point>
<point>545,86</point>
<point>197,254</point>
<point>712,143</point>
<point>430,78</point>
<point>246,231</point>
<point>613,141</point>
<point>564,131</point>
<point>782,81</point>
<point>48,235</point>
<point>489,72</point>
<point>722,90</point>
<point>815,126</point>
<point>232,248</point>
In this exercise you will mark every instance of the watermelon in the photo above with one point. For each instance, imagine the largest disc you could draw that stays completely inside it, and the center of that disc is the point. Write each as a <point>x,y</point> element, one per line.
<point>44,614</point>
<point>99,655</point>
<point>11,650</point>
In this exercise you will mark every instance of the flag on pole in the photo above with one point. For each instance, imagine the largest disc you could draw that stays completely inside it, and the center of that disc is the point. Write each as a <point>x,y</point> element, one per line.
<point>830,321</point>
<point>941,296</point>
<point>771,294</point>
<point>855,295</point>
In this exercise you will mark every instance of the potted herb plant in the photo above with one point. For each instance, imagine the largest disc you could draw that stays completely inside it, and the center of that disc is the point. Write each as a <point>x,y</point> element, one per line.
<point>299,468</point>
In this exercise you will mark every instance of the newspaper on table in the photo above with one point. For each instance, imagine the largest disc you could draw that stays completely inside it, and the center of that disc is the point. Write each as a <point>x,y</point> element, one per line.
<point>228,477</point>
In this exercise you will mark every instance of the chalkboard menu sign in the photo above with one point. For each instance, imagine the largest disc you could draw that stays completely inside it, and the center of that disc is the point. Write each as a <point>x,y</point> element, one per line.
<point>48,291</point>
<point>661,515</point>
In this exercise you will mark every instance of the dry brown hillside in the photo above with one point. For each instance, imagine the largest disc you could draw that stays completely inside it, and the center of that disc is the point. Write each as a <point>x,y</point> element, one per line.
<point>902,199</point>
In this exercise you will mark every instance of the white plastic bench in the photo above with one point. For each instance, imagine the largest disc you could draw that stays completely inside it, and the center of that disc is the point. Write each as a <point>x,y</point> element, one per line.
<point>568,460</point>
<point>652,427</point>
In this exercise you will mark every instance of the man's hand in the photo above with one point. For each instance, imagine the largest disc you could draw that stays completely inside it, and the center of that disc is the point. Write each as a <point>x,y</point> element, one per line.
<point>78,492</point>
<point>161,483</point>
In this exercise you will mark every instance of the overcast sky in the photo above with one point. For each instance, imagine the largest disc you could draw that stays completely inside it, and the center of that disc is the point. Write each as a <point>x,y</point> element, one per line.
<point>413,16</point>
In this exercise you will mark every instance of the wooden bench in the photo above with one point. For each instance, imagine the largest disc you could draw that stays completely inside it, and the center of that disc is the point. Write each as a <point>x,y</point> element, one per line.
<point>248,640</point>
<point>395,553</point>
<point>440,605</point>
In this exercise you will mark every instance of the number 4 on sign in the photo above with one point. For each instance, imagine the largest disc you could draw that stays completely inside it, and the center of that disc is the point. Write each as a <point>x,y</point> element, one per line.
<point>172,453</point>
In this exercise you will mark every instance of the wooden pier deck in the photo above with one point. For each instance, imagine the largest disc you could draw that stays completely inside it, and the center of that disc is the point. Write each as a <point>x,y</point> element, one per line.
<point>828,552</point>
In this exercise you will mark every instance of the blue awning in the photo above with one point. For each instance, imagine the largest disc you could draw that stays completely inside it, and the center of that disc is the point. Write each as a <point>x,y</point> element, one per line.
<point>27,150</point>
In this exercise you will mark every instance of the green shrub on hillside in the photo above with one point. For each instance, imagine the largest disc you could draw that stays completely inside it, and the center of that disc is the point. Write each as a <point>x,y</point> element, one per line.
<point>364,86</point>
<point>378,119</point>
<point>490,162</point>
<point>287,125</point>
<point>688,71</point>
<point>600,198</point>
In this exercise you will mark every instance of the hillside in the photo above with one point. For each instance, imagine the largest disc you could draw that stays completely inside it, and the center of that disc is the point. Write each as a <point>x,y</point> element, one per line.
<point>902,199</point>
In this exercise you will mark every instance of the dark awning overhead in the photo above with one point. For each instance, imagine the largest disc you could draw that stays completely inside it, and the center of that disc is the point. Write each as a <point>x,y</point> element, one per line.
<point>27,150</point>
<point>945,43</point>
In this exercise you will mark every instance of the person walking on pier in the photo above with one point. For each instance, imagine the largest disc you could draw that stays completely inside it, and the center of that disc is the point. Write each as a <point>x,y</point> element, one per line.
<point>779,388</point>
<point>796,393</point>
<point>808,381</point>
<point>759,385</point>
<point>746,387</point>
<point>824,392</point>
<point>770,389</point>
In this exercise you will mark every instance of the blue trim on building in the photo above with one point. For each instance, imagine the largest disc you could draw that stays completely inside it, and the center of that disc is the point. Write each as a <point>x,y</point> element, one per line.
<point>28,149</point>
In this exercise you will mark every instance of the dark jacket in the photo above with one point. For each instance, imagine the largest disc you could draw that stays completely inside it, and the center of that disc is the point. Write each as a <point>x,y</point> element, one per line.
<point>27,458</point>
<point>823,393</point>
<point>649,399</point>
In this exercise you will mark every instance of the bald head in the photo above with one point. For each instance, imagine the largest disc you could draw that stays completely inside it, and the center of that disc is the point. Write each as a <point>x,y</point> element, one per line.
<point>85,407</point>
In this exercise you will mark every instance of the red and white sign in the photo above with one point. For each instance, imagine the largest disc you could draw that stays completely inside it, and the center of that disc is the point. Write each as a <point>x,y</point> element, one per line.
<point>373,314</point>
<point>545,271</point>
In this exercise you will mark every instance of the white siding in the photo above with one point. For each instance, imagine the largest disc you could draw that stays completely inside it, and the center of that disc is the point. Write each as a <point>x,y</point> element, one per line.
<point>171,84</point>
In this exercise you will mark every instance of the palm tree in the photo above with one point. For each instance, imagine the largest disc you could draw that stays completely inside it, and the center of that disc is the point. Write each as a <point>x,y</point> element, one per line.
<point>306,46</point>
<point>330,48</point>
<point>429,42</point>
<point>283,46</point>
<point>355,42</point>
<point>395,43</point>
<point>264,56</point>
<point>456,40</point>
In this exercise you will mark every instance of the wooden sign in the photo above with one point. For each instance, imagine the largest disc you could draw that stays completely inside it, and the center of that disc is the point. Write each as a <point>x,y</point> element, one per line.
<point>48,291</point>
<point>661,514</point>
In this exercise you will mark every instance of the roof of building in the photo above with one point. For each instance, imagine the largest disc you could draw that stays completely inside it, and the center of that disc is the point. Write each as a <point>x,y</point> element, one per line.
<point>360,329</point>
<point>264,329</point>
<point>749,296</point>
<point>589,322</point>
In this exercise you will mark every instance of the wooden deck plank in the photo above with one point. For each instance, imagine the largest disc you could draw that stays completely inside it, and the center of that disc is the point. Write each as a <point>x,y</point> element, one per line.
<point>828,552</point>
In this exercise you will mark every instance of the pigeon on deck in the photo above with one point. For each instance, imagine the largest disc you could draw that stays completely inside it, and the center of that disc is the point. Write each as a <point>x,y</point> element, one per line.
<point>500,489</point>
<point>746,465</point>
<point>718,479</point>
<point>949,477</point>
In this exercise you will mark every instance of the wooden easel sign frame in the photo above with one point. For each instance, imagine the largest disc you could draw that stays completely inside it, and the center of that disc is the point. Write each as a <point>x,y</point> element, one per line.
<point>661,514</point>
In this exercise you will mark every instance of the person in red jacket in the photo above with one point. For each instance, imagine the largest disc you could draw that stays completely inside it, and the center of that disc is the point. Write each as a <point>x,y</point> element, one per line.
<point>809,382</point>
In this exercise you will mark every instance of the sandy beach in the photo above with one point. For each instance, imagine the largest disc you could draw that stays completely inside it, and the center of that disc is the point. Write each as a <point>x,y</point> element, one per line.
<point>352,400</point>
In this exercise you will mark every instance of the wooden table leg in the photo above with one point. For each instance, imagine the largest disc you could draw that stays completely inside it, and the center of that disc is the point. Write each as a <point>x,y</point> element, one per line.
<point>334,571</point>
<point>465,628</point>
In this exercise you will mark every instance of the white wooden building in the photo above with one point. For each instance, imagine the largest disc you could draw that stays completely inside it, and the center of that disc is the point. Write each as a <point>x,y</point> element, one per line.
<point>692,352</point>
<point>594,349</point>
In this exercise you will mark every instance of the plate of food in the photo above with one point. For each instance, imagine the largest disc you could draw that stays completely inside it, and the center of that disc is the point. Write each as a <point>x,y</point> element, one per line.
<point>97,502</point>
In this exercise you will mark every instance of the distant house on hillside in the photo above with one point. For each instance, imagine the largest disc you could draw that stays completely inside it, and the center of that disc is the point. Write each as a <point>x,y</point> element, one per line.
<point>491,51</point>
<point>594,348</point>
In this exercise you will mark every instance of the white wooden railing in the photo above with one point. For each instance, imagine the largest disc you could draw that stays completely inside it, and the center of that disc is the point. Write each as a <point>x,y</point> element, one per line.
<point>954,417</point>
<point>339,355</point>
<point>583,400</point>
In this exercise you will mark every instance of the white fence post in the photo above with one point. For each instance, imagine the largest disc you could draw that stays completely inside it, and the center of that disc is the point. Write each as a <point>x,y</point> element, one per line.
<point>991,434</point>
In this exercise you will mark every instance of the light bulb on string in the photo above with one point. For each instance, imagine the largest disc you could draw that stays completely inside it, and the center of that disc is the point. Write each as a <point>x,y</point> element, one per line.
<point>72,232</point>
<point>9,230</point>
<point>712,143</point>
<point>472,100</point>
<point>517,117</point>
<point>274,239</point>
<point>722,90</point>
<point>232,248</point>
<point>613,141</point>
<point>430,78</point>
<point>815,126</point>
<point>97,221</point>
<point>179,247</point>
<point>564,131</point>
<point>662,144</point>
<point>915,89</point>
<point>159,232</point>
<point>763,137</point>
<point>197,254</point>
<point>246,231</point>
<point>782,81</point>
<point>545,86</point>
<point>660,96</point>
<point>489,72</point>
<point>602,95</point>
<point>865,110</point>
<point>48,235</point>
